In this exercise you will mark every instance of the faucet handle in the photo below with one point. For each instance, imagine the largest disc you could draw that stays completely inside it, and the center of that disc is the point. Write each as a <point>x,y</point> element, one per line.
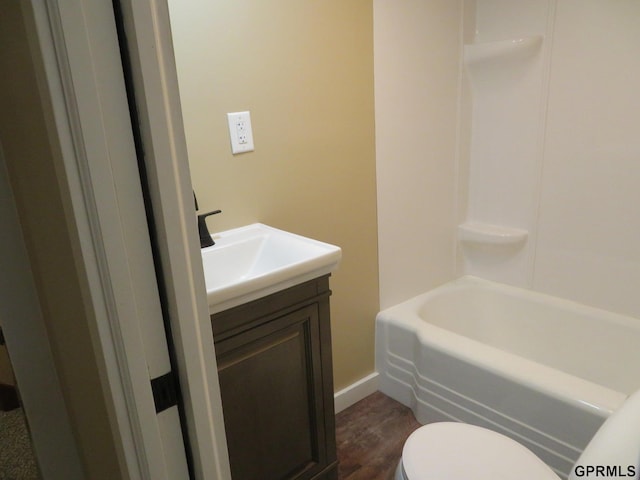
<point>205,215</point>
<point>205,236</point>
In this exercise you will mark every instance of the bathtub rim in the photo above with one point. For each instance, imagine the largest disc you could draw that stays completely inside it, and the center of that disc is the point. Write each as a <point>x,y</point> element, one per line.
<point>575,391</point>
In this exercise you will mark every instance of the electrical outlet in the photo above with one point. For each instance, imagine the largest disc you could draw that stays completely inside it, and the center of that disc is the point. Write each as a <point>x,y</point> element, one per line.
<point>240,132</point>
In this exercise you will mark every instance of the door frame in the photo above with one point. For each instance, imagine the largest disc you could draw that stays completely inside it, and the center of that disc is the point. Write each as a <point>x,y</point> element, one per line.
<point>151,54</point>
<point>68,36</point>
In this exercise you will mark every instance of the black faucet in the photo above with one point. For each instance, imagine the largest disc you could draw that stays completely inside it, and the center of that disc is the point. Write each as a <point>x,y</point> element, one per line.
<point>205,236</point>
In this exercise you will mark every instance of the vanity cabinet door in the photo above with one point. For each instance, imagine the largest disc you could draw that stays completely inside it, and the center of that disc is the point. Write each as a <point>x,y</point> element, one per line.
<point>271,383</point>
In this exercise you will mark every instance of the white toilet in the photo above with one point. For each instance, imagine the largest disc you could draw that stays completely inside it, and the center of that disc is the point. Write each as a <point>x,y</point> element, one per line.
<point>452,451</point>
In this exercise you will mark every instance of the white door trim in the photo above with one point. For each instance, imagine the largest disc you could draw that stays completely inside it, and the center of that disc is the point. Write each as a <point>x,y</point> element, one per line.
<point>157,97</point>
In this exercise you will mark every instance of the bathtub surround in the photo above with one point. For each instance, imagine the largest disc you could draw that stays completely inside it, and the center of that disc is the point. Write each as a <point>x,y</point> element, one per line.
<point>504,65</point>
<point>589,187</point>
<point>555,146</point>
<point>559,163</point>
<point>417,76</point>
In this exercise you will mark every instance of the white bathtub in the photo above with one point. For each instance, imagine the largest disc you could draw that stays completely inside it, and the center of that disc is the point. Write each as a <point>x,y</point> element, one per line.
<point>542,370</point>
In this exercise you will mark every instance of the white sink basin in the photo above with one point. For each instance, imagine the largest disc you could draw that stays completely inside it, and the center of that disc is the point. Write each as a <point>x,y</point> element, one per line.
<point>250,262</point>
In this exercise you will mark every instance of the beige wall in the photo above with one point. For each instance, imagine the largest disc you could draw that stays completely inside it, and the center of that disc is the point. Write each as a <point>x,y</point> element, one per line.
<point>304,68</point>
<point>30,160</point>
<point>417,80</point>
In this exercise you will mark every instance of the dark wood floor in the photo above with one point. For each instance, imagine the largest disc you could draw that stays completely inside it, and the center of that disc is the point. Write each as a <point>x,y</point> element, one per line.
<point>370,436</point>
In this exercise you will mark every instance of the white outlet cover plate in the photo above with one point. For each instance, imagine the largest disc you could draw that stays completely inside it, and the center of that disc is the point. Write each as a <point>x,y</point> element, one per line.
<point>240,132</point>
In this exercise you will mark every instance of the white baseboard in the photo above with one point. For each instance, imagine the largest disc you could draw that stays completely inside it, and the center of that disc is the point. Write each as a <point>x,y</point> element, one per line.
<point>356,392</point>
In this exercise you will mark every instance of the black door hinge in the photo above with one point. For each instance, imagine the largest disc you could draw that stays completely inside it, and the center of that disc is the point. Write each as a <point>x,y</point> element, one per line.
<point>165,394</point>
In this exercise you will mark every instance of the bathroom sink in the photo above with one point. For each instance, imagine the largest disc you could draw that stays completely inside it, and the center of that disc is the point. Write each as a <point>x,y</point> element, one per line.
<point>250,262</point>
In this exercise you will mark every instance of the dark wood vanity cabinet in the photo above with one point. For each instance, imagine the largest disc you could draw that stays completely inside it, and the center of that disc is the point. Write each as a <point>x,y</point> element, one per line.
<point>276,381</point>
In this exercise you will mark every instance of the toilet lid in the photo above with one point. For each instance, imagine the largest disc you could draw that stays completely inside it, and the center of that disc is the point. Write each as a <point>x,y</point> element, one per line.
<point>452,451</point>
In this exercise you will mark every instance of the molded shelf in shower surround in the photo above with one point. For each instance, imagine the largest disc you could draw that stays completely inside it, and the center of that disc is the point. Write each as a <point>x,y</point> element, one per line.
<point>502,49</point>
<point>490,234</point>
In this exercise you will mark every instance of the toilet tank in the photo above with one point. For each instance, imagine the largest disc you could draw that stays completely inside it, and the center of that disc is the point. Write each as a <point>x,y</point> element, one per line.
<point>614,451</point>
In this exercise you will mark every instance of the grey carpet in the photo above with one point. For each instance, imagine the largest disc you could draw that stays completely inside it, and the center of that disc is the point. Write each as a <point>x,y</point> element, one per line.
<point>17,461</point>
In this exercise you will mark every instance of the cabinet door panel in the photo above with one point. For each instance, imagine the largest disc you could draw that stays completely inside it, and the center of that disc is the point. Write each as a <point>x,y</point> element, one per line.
<point>269,380</point>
